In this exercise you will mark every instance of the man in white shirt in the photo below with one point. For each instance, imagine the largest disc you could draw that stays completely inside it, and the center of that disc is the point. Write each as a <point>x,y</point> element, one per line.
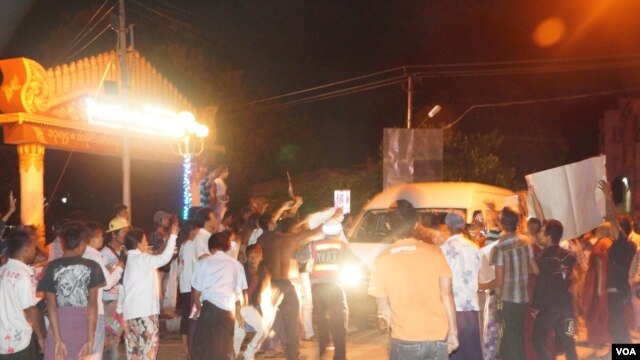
<point>112,276</point>
<point>206,220</point>
<point>219,286</point>
<point>186,265</point>
<point>464,260</point>
<point>19,317</point>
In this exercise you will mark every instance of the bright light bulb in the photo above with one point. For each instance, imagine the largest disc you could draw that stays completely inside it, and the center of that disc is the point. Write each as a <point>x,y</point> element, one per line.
<point>202,131</point>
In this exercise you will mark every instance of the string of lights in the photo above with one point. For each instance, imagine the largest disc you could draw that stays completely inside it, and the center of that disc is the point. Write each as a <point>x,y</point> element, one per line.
<point>186,185</point>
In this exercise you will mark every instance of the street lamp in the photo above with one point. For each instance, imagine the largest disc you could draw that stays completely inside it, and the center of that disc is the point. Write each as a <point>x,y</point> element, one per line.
<point>155,121</point>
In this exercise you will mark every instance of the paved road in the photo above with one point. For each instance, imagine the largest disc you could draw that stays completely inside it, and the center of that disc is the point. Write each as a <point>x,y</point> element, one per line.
<point>362,345</point>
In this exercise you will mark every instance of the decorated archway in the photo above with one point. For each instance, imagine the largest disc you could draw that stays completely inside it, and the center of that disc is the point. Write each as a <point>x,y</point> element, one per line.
<point>45,108</point>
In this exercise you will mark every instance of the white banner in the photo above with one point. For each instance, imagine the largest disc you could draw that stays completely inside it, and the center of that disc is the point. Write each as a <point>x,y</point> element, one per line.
<point>570,194</point>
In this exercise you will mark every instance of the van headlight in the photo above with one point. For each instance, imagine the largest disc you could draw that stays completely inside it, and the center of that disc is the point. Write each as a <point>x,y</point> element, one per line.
<point>350,275</point>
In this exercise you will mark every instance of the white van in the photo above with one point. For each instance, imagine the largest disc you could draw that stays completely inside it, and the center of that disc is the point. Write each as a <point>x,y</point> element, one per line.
<point>371,234</point>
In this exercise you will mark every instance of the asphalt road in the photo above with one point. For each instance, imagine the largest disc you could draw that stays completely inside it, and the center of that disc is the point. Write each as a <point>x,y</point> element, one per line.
<point>361,345</point>
<point>364,345</point>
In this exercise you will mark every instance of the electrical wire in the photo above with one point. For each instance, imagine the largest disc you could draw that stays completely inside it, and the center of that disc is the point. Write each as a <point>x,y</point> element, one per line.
<point>107,27</point>
<point>526,71</point>
<point>76,42</point>
<point>325,86</point>
<point>172,7</point>
<point>89,22</point>
<point>525,62</point>
<point>161,14</point>
<point>434,74</point>
<point>469,72</point>
<point>64,169</point>
<point>346,91</point>
<point>537,101</point>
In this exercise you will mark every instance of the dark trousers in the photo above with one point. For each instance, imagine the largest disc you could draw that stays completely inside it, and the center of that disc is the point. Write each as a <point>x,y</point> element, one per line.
<point>331,314</point>
<point>512,344</point>
<point>469,336</point>
<point>185,311</point>
<point>213,338</point>
<point>560,318</point>
<point>617,320</point>
<point>290,310</point>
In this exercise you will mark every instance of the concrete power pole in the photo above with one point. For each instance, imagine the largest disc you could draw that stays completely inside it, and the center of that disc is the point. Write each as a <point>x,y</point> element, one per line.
<point>126,156</point>
<point>409,100</point>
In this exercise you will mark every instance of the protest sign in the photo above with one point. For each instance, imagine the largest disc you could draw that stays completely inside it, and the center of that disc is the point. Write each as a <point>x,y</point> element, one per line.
<point>570,194</point>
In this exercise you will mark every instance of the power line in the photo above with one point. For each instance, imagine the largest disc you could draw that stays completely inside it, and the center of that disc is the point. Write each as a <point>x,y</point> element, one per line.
<point>82,34</point>
<point>537,101</point>
<point>157,14</point>
<point>325,86</point>
<point>89,22</point>
<point>527,71</point>
<point>107,27</point>
<point>436,74</point>
<point>474,72</point>
<point>343,92</point>
<point>173,7</point>
<point>529,61</point>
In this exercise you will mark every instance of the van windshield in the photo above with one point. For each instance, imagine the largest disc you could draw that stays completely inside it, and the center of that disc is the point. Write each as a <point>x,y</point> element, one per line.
<point>375,225</point>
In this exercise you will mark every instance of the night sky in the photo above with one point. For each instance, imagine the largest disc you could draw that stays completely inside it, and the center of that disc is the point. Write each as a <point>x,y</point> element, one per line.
<point>284,46</point>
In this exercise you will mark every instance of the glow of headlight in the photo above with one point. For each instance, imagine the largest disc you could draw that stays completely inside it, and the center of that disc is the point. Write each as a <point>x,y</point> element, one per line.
<point>350,275</point>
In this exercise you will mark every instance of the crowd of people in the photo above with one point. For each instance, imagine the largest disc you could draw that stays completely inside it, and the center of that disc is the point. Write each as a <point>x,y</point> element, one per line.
<point>92,288</point>
<point>491,290</point>
<point>518,291</point>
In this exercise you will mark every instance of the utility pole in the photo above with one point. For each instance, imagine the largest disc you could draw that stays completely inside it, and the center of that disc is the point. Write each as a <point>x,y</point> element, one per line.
<point>126,155</point>
<point>409,100</point>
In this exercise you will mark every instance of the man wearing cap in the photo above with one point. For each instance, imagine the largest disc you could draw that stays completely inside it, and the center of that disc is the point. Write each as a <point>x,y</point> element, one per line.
<point>113,253</point>
<point>329,301</point>
<point>464,260</point>
<point>411,282</point>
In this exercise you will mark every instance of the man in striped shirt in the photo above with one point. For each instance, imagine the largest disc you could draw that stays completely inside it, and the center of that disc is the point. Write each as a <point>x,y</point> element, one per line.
<point>513,260</point>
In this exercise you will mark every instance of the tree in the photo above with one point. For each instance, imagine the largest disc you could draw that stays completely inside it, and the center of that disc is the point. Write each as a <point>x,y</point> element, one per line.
<point>478,157</point>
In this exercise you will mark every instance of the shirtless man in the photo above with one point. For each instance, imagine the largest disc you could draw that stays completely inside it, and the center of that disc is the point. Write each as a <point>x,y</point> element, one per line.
<point>279,253</point>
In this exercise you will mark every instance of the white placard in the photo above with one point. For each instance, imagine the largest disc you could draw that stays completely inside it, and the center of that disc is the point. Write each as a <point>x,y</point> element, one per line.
<point>570,194</point>
<point>342,199</point>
